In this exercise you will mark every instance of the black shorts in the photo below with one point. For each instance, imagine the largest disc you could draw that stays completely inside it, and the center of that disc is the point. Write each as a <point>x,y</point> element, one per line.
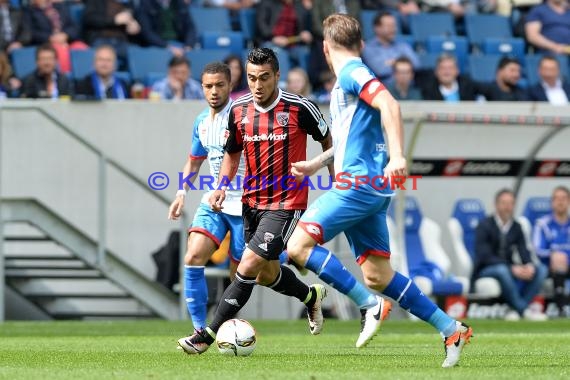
<point>266,231</point>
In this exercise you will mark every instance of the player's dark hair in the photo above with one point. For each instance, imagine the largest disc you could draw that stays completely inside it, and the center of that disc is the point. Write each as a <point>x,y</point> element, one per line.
<point>263,56</point>
<point>218,68</point>
<point>502,192</point>
<point>177,61</point>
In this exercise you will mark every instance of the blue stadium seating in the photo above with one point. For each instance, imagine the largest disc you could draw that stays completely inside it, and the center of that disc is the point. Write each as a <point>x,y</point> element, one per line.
<point>468,212</point>
<point>211,19</point>
<point>483,67</point>
<point>507,46</point>
<point>409,39</point>
<point>455,45</point>
<point>247,23</point>
<point>76,11</point>
<point>147,60</point>
<point>366,19</point>
<point>481,26</point>
<point>23,61</point>
<point>201,57</point>
<point>233,41</point>
<point>536,207</point>
<point>81,62</point>
<point>423,25</point>
<point>428,60</point>
<point>125,76</point>
<point>153,77</point>
<point>531,67</point>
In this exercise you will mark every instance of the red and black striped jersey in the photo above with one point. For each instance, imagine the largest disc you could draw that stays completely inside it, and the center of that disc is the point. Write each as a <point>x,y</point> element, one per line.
<point>272,139</point>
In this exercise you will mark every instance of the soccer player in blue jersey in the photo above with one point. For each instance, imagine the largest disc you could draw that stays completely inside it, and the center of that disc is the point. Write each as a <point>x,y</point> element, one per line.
<point>551,240</point>
<point>359,149</point>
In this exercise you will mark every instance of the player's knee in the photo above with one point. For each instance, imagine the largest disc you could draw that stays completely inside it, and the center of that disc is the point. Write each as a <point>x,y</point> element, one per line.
<point>299,250</point>
<point>195,258</point>
<point>375,281</point>
<point>558,262</point>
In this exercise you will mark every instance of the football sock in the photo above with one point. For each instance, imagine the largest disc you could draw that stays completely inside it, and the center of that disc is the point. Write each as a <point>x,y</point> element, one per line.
<point>283,258</point>
<point>408,295</point>
<point>287,283</point>
<point>196,294</point>
<point>234,298</point>
<point>329,269</point>
<point>559,280</point>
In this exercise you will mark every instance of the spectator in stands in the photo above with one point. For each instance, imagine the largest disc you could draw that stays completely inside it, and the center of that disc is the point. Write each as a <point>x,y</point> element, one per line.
<point>178,85</point>
<point>14,33</point>
<point>551,240</point>
<point>166,24</point>
<point>323,94</point>
<point>497,238</point>
<point>46,81</point>
<point>284,24</point>
<point>102,82</point>
<point>505,87</point>
<point>321,9</point>
<point>233,5</point>
<point>455,7</point>
<point>51,21</point>
<point>238,81</point>
<point>9,84</point>
<point>402,87</point>
<point>403,9</point>
<point>110,22</point>
<point>548,27</point>
<point>380,52</point>
<point>448,85</point>
<point>298,82</point>
<point>551,87</point>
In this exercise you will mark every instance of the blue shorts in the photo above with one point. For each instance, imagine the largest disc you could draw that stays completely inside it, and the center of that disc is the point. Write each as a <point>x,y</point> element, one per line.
<point>216,225</point>
<point>361,214</point>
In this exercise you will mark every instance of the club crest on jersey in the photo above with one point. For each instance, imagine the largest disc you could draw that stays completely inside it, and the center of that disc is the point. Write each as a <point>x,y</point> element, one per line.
<point>268,237</point>
<point>282,118</point>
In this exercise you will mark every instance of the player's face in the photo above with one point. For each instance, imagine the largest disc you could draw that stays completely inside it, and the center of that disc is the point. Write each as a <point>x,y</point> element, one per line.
<point>505,206</point>
<point>560,202</point>
<point>262,82</point>
<point>216,89</point>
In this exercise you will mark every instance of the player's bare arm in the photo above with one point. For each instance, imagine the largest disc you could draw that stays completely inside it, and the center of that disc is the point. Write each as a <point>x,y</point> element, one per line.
<point>327,144</point>
<point>192,166</point>
<point>393,125</point>
<point>302,169</point>
<point>229,168</point>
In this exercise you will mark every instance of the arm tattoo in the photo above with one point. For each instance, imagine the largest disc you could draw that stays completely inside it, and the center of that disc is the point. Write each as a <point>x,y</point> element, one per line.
<point>326,158</point>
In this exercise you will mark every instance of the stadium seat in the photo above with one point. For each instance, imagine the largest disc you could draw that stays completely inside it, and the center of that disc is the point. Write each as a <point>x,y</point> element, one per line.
<point>366,23</point>
<point>466,215</point>
<point>482,68</point>
<point>81,62</point>
<point>201,57</point>
<point>124,76</point>
<point>247,23</point>
<point>211,19</point>
<point>423,25</point>
<point>23,61</point>
<point>535,208</point>
<point>147,60</point>
<point>233,41</point>
<point>506,46</point>
<point>428,61</point>
<point>15,3</point>
<point>531,67</point>
<point>455,45</point>
<point>427,263</point>
<point>481,26</point>
<point>409,39</point>
<point>152,78</point>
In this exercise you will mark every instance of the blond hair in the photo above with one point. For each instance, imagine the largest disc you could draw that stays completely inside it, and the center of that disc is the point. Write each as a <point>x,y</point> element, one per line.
<point>343,31</point>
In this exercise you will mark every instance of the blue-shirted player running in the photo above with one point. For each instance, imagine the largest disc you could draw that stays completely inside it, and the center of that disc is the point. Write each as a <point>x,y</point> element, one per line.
<point>359,149</point>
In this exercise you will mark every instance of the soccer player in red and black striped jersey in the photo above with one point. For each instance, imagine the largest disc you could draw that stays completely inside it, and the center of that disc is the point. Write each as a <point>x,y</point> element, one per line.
<point>270,128</point>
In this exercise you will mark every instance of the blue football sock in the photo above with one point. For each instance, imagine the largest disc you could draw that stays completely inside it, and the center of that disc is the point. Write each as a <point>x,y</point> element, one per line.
<point>408,295</point>
<point>196,294</point>
<point>329,269</point>
<point>283,258</point>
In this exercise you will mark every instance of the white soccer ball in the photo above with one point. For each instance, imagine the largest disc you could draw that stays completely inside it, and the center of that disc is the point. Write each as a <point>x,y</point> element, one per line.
<point>236,337</point>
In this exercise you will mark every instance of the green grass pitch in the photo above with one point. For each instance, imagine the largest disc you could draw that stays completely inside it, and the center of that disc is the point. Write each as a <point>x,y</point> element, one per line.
<point>285,350</point>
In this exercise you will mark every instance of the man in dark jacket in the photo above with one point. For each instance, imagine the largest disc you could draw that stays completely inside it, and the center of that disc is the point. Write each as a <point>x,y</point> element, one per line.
<point>551,87</point>
<point>165,21</point>
<point>14,32</point>
<point>505,87</point>
<point>448,85</point>
<point>497,238</point>
<point>46,81</point>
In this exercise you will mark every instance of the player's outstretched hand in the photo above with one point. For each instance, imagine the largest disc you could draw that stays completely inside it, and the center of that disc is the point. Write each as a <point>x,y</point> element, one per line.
<point>303,169</point>
<point>176,208</point>
<point>396,167</point>
<point>216,200</point>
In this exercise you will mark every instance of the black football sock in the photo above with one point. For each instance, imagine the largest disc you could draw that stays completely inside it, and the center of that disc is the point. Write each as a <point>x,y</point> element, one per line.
<point>234,298</point>
<point>559,279</point>
<point>287,283</point>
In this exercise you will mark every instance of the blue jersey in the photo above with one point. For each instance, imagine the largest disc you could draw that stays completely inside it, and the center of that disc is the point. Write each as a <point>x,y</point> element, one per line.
<point>208,139</point>
<point>550,236</point>
<point>359,146</point>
